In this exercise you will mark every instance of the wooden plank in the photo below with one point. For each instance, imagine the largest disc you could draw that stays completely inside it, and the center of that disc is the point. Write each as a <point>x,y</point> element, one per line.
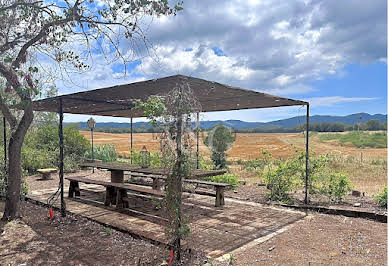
<point>116,185</point>
<point>191,181</point>
<point>197,173</point>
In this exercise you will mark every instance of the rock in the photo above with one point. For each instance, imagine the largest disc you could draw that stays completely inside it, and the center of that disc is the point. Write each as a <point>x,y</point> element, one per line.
<point>164,263</point>
<point>357,204</point>
<point>356,193</point>
<point>271,248</point>
<point>234,191</point>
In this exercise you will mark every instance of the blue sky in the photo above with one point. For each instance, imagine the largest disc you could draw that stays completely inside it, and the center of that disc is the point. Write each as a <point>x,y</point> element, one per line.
<point>330,53</point>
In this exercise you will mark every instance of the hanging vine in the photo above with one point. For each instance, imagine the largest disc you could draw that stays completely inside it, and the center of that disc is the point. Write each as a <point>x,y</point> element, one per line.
<point>173,114</point>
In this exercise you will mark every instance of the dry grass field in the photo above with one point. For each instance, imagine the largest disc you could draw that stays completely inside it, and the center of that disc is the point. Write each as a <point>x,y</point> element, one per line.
<point>247,145</point>
<point>368,176</point>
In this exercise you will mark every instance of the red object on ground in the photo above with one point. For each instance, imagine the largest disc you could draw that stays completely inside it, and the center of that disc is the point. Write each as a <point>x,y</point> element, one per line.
<point>51,213</point>
<point>171,256</point>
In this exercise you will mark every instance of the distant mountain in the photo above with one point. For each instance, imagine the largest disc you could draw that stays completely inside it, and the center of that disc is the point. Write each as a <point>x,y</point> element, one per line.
<point>238,124</point>
<point>349,119</point>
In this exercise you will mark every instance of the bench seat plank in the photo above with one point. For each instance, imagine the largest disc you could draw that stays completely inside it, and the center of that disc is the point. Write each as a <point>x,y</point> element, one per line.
<point>134,188</point>
<point>191,181</point>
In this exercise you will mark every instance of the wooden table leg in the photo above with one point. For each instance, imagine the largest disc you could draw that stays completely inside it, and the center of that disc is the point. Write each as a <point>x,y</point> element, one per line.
<point>220,201</point>
<point>109,196</point>
<point>74,188</point>
<point>121,193</point>
<point>116,176</point>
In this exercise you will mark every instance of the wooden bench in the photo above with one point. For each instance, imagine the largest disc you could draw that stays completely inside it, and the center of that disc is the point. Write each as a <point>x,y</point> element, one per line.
<point>116,193</point>
<point>219,187</point>
<point>46,172</point>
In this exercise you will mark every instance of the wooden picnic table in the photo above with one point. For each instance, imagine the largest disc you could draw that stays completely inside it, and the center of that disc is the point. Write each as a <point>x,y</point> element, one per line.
<point>117,176</point>
<point>117,170</point>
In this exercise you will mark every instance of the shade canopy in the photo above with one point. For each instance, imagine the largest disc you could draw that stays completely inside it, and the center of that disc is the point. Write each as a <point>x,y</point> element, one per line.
<point>117,101</point>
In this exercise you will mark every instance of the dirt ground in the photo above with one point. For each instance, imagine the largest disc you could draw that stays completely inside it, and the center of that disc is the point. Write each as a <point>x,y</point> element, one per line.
<point>35,240</point>
<point>321,239</point>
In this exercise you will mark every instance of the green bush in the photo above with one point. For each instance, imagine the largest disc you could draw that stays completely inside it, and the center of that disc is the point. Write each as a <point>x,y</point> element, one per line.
<point>219,159</point>
<point>282,178</point>
<point>205,164</point>
<point>382,198</point>
<point>105,153</point>
<point>334,185</point>
<point>3,186</point>
<point>33,159</point>
<point>256,164</point>
<point>359,139</point>
<point>155,159</point>
<point>225,178</point>
<point>41,148</point>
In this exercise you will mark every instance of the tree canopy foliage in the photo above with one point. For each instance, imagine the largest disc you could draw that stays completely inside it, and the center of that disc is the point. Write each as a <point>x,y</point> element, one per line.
<point>36,36</point>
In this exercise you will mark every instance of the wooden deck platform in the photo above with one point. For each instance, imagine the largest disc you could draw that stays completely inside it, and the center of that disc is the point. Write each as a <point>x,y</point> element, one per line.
<point>215,230</point>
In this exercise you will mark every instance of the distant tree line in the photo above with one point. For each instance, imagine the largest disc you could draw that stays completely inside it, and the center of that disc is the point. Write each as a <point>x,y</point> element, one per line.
<point>371,125</point>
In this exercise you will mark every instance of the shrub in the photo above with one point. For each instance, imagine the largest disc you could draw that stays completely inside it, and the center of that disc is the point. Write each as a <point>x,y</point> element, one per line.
<point>155,159</point>
<point>281,179</point>
<point>219,159</point>
<point>205,164</point>
<point>382,198</point>
<point>105,153</point>
<point>334,185</point>
<point>41,148</point>
<point>256,164</point>
<point>225,178</point>
<point>33,159</point>
<point>3,186</point>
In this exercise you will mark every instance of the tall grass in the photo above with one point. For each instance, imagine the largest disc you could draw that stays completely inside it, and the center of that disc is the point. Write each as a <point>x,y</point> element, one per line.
<point>359,139</point>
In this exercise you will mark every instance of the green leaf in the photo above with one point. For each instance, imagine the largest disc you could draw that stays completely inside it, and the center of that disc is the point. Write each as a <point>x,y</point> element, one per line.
<point>8,59</point>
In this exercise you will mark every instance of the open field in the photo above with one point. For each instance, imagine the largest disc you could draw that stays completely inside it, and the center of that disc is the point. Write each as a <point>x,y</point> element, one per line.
<point>368,176</point>
<point>247,145</point>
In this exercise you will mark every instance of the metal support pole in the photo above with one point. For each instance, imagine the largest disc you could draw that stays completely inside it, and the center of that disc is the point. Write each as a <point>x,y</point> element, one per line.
<point>5,145</point>
<point>91,132</point>
<point>306,199</point>
<point>131,146</point>
<point>197,141</point>
<point>63,207</point>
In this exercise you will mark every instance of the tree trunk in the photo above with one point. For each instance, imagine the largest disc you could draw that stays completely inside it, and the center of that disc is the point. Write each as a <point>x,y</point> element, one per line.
<point>12,200</point>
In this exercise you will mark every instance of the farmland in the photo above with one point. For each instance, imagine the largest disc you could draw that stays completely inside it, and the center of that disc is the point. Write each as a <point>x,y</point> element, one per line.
<point>247,145</point>
<point>365,166</point>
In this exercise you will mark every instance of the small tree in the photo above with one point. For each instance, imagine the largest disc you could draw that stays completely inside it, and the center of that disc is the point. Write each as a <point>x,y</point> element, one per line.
<point>54,30</point>
<point>219,140</point>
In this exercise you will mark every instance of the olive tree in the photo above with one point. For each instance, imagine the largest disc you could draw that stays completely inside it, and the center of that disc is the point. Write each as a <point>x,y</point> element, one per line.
<point>65,33</point>
<point>219,140</point>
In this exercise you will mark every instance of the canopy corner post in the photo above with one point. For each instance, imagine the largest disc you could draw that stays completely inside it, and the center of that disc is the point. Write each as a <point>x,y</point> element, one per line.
<point>306,196</point>
<point>197,131</point>
<point>131,144</point>
<point>61,148</point>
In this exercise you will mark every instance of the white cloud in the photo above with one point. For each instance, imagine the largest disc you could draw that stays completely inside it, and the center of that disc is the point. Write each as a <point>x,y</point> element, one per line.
<point>291,90</point>
<point>333,100</point>
<point>274,46</point>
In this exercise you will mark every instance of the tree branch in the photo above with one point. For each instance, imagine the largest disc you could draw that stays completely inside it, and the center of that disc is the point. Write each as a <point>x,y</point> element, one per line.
<point>7,113</point>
